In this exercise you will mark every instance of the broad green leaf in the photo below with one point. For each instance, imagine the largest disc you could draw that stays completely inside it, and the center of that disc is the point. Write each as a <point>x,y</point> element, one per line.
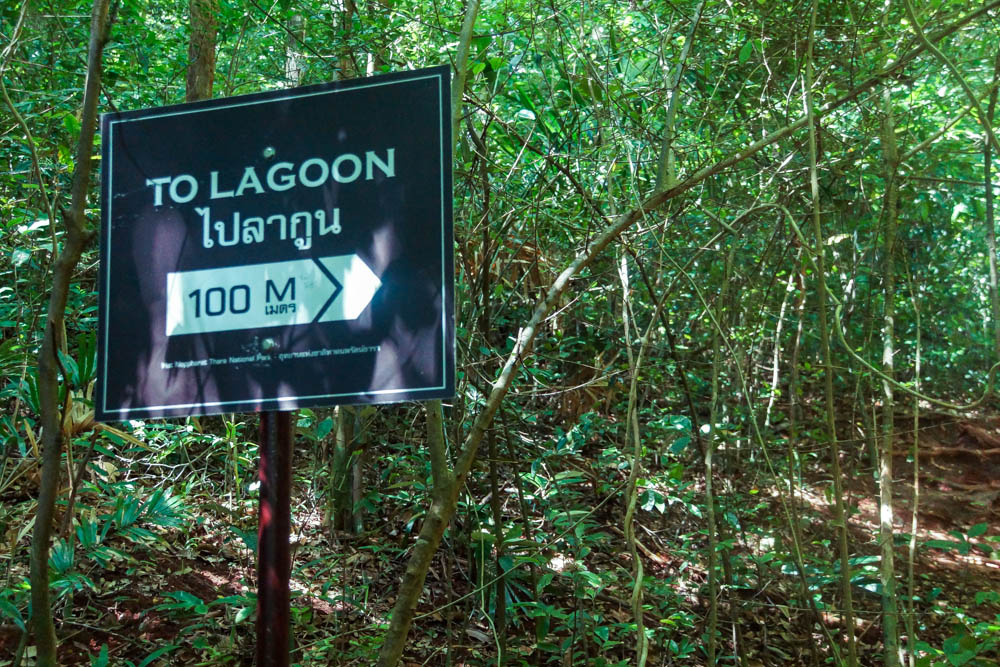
<point>324,428</point>
<point>942,544</point>
<point>978,529</point>
<point>148,660</point>
<point>10,611</point>
<point>102,658</point>
<point>72,124</point>
<point>19,256</point>
<point>680,444</point>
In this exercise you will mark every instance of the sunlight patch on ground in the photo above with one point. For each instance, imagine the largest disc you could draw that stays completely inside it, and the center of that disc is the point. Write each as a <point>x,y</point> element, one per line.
<point>866,514</point>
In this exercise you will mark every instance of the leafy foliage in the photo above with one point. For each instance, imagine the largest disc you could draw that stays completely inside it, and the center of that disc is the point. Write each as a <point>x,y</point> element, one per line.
<point>563,130</point>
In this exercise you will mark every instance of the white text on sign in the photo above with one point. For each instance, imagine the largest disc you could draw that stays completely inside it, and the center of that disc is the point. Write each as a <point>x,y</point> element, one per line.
<point>324,289</point>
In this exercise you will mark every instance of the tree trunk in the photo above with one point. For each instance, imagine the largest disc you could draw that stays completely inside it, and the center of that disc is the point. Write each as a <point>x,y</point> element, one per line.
<point>713,441</point>
<point>444,495</point>
<point>500,586</point>
<point>991,230</point>
<point>201,50</point>
<point>911,590</point>
<point>839,515</point>
<point>342,470</point>
<point>666,175</point>
<point>294,63</point>
<point>346,64</point>
<point>76,239</point>
<point>890,611</point>
<point>633,434</point>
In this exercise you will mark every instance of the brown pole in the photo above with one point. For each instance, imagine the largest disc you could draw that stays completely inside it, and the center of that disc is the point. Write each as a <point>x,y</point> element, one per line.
<point>273,530</point>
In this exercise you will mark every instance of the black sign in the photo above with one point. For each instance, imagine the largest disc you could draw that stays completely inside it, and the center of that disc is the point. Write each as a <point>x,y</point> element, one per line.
<point>278,250</point>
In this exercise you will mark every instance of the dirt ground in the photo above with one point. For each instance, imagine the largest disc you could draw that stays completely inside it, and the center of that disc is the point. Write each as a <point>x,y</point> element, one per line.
<point>956,569</point>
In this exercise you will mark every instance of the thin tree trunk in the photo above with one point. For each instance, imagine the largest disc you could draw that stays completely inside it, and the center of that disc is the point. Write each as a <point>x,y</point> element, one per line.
<point>444,495</point>
<point>500,587</point>
<point>201,50</point>
<point>712,443</point>
<point>294,62</point>
<point>911,617</point>
<point>346,63</point>
<point>461,59</point>
<point>776,355</point>
<point>358,461</point>
<point>76,239</point>
<point>794,409</point>
<point>632,433</point>
<point>535,623</point>
<point>666,175</point>
<point>839,515</point>
<point>890,611</point>
<point>791,442</point>
<point>991,230</point>
<point>341,470</point>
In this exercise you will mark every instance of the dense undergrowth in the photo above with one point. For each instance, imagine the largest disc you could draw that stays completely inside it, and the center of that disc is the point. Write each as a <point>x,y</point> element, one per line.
<point>698,333</point>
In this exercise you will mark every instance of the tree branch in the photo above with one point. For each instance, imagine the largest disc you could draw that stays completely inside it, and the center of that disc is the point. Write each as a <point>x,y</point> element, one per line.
<point>76,239</point>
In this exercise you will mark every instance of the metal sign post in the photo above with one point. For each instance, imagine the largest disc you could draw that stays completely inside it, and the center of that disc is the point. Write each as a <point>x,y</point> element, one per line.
<point>273,531</point>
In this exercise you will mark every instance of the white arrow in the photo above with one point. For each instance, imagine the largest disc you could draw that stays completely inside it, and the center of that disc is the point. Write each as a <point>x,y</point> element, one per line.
<point>301,291</point>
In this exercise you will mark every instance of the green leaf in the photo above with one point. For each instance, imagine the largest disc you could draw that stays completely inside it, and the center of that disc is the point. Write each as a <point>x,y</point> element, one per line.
<point>249,537</point>
<point>942,544</point>
<point>61,557</point>
<point>72,124</point>
<point>987,596</point>
<point>102,658</point>
<point>480,43</point>
<point>19,256</point>
<point>956,653</point>
<point>864,560</point>
<point>87,358</point>
<point>10,611</point>
<point>680,444</point>
<point>162,509</point>
<point>243,614</point>
<point>746,52</point>
<point>324,428</point>
<point>958,210</point>
<point>647,500</point>
<point>148,660</point>
<point>978,530</point>
<point>184,596</point>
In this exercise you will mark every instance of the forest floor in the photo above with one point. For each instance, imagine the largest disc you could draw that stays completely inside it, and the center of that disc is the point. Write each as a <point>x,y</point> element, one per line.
<point>957,559</point>
<point>188,599</point>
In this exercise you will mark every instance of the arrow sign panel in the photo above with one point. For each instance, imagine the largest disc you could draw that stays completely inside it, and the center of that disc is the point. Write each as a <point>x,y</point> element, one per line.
<point>324,289</point>
<point>280,250</point>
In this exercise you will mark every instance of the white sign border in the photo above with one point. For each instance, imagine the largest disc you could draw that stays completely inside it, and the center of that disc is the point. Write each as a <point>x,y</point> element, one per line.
<point>107,188</point>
